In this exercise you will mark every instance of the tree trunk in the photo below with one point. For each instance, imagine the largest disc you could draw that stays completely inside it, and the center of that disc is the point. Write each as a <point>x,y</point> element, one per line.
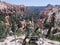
<point>49,31</point>
<point>24,41</point>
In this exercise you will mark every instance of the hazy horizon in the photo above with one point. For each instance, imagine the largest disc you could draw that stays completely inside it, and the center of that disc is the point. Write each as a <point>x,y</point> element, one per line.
<point>33,2</point>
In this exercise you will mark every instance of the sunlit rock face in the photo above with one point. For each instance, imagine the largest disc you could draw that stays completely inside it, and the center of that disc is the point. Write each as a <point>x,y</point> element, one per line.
<point>7,8</point>
<point>22,24</point>
<point>45,11</point>
<point>39,22</point>
<point>56,10</point>
<point>49,10</point>
<point>7,20</point>
<point>22,8</point>
<point>2,5</point>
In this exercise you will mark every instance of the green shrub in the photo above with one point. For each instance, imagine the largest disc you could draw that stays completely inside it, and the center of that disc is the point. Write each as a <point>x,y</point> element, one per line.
<point>55,37</point>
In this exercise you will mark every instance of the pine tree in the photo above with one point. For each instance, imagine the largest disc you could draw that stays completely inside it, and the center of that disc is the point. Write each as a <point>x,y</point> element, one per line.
<point>2,29</point>
<point>52,23</point>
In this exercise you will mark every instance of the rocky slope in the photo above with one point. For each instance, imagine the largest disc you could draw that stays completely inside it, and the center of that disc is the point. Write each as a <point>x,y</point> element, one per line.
<point>8,41</point>
<point>7,8</point>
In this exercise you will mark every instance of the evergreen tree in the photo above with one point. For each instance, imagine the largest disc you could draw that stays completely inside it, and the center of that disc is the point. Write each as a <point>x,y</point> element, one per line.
<point>2,29</point>
<point>52,23</point>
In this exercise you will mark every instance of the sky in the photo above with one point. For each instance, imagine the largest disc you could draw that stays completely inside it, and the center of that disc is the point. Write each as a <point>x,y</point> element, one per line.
<point>34,2</point>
